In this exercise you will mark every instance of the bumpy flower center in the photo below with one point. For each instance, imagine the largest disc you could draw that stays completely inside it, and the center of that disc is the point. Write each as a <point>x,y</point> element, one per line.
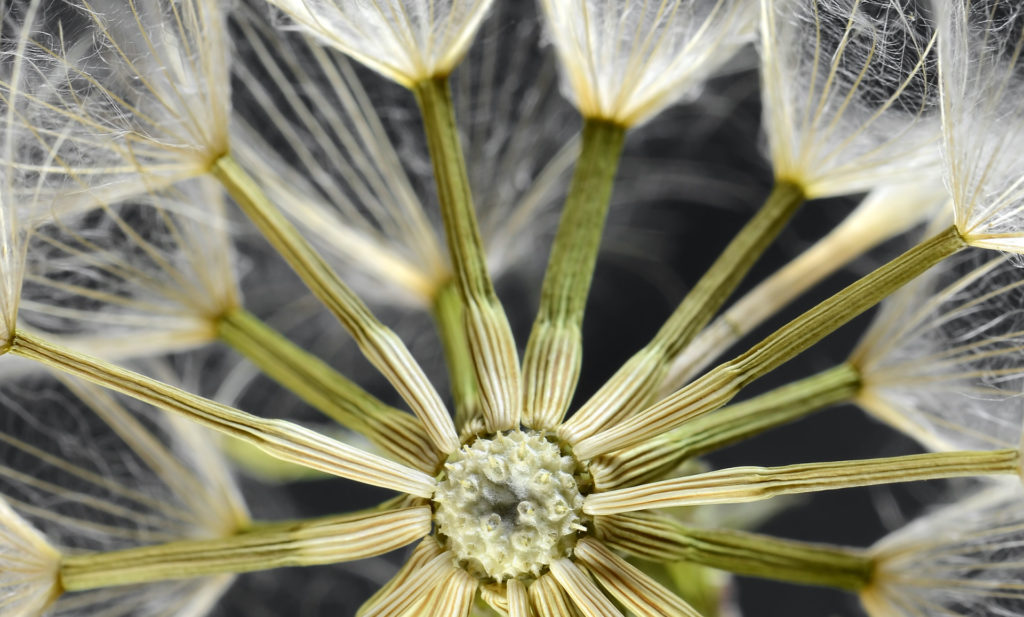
<point>509,505</point>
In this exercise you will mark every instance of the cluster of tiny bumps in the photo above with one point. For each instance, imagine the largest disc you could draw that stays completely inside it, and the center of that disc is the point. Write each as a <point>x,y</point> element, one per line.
<point>510,505</point>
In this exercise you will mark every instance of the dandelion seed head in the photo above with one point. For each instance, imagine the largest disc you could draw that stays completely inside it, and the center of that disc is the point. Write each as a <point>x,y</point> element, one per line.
<point>407,41</point>
<point>509,505</point>
<point>626,61</point>
<point>97,141</point>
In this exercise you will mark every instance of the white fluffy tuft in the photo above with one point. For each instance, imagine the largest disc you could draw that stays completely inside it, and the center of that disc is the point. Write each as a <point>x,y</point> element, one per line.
<point>963,559</point>
<point>28,567</point>
<point>850,90</point>
<point>140,278</point>
<point>405,40</point>
<point>944,359</point>
<point>980,49</point>
<point>117,97</point>
<point>625,61</point>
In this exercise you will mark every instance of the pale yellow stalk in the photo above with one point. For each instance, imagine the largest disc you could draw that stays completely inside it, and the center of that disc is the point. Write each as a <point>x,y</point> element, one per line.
<point>323,541</point>
<point>284,440</point>
<point>885,213</point>
<point>743,484</point>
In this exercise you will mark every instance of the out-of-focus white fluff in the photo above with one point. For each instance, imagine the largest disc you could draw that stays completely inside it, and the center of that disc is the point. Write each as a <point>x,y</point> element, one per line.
<point>963,559</point>
<point>348,161</point>
<point>28,567</point>
<point>96,472</point>
<point>140,278</point>
<point>17,208</point>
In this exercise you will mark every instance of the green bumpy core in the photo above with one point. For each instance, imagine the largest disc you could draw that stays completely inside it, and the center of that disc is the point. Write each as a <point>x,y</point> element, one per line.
<point>509,505</point>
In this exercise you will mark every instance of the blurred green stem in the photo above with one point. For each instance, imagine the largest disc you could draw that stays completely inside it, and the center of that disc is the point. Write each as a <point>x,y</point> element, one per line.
<point>881,215</point>
<point>659,537</point>
<point>451,328</point>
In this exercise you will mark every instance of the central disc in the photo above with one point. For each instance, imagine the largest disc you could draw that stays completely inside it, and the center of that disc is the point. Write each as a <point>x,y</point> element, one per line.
<point>509,505</point>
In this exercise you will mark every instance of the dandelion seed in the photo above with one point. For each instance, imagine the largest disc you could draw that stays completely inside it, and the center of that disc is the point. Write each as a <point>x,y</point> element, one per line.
<point>622,63</point>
